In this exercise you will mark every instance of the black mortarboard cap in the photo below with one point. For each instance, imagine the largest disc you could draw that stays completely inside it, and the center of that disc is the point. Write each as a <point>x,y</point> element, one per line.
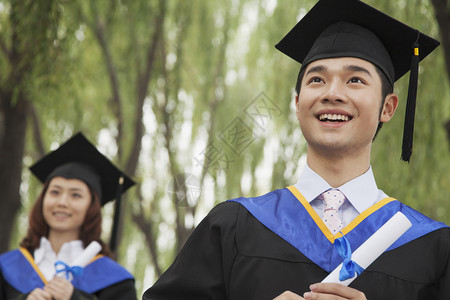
<point>78,158</point>
<point>351,28</point>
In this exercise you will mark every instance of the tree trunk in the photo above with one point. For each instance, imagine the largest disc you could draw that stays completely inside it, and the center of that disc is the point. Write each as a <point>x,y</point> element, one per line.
<point>447,129</point>
<point>11,154</point>
<point>442,12</point>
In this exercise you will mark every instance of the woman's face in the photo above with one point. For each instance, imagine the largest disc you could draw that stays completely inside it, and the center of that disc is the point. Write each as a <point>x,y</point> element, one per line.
<point>65,205</point>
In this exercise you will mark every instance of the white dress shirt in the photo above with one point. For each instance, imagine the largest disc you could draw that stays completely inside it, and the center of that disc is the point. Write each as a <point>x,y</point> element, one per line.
<point>45,257</point>
<point>361,192</point>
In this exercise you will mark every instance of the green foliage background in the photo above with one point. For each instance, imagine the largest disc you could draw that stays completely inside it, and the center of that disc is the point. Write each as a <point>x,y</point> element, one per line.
<point>215,60</point>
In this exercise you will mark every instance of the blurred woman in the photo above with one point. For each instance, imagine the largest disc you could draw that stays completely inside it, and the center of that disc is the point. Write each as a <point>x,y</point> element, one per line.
<point>65,219</point>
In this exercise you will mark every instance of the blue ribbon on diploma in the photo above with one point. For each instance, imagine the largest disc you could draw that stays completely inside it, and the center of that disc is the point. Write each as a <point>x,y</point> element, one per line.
<point>349,267</point>
<point>61,266</point>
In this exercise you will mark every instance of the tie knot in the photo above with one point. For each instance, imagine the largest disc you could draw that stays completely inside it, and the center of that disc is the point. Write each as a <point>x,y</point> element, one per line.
<point>333,199</point>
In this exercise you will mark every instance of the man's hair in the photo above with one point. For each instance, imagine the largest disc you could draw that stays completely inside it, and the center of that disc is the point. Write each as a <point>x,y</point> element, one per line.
<point>386,89</point>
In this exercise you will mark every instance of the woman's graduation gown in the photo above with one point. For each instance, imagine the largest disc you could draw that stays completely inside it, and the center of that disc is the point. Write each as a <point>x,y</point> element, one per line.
<point>103,278</point>
<point>257,248</point>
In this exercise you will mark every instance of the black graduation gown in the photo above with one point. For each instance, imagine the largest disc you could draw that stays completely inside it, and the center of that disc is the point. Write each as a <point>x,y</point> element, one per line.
<point>102,279</point>
<point>232,255</point>
<point>123,290</point>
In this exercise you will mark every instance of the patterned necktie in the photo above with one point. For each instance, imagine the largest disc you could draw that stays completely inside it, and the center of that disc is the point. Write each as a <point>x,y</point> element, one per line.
<point>333,199</point>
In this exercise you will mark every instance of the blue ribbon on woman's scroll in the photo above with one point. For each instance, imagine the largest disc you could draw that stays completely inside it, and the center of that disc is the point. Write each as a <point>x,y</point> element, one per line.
<point>349,267</point>
<point>63,267</point>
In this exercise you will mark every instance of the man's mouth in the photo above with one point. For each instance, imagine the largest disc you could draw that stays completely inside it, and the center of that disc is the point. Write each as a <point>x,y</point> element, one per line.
<point>334,118</point>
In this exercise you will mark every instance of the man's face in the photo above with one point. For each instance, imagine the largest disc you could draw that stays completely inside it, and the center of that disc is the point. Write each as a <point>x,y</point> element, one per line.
<point>339,105</point>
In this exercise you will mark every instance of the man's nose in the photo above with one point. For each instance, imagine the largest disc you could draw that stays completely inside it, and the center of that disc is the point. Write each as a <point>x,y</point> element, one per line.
<point>335,92</point>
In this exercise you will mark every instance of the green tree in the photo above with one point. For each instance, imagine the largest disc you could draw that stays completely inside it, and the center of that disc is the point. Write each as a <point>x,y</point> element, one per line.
<point>192,99</point>
<point>442,12</point>
<point>31,48</point>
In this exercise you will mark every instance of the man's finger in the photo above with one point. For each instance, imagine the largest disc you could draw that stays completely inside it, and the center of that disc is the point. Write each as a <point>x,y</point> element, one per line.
<point>338,290</point>
<point>288,295</point>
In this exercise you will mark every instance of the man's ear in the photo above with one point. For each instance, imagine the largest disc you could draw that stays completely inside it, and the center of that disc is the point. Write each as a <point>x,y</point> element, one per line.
<point>296,107</point>
<point>389,108</point>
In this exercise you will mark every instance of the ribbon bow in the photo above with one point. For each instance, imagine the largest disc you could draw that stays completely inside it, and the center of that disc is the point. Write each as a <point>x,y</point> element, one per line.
<point>349,267</point>
<point>61,266</point>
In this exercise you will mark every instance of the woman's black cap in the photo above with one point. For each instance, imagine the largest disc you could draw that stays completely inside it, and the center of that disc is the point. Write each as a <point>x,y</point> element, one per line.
<point>78,158</point>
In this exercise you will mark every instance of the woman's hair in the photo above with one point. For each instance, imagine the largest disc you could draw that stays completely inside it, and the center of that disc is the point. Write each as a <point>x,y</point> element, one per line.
<point>90,230</point>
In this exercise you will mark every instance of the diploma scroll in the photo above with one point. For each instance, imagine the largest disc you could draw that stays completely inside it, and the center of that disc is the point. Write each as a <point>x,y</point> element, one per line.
<point>87,255</point>
<point>64,270</point>
<point>374,246</point>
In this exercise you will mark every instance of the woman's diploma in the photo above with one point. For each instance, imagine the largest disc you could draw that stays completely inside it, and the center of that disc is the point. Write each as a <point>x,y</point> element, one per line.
<point>87,255</point>
<point>371,249</point>
<point>64,270</point>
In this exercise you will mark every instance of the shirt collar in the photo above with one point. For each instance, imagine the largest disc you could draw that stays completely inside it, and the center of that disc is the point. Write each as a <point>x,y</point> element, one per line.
<point>68,253</point>
<point>44,247</point>
<point>361,192</point>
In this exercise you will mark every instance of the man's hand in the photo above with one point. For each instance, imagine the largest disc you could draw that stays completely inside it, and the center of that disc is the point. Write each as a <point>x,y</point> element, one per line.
<point>288,295</point>
<point>325,291</point>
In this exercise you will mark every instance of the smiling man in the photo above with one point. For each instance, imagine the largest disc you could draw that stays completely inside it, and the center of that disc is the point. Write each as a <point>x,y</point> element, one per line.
<point>339,106</point>
<point>283,244</point>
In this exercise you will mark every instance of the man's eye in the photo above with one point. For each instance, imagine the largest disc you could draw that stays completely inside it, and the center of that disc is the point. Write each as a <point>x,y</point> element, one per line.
<point>356,80</point>
<point>316,80</point>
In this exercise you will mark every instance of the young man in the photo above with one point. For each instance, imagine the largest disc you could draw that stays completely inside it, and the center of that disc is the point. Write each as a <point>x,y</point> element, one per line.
<point>282,245</point>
